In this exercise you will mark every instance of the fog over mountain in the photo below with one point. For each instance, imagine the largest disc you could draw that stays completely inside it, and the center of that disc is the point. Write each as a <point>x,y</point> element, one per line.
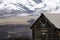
<point>14,7</point>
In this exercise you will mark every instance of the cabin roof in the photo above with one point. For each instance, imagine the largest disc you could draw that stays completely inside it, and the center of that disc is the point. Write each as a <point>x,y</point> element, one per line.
<point>54,19</point>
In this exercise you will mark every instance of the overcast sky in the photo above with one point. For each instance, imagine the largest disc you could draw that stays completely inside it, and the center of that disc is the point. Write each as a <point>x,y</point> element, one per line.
<point>28,6</point>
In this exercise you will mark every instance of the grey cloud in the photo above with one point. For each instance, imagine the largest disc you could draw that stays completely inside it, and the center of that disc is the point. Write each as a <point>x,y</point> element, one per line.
<point>38,1</point>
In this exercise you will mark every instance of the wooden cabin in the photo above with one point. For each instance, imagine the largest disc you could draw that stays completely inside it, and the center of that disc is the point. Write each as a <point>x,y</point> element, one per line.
<point>46,27</point>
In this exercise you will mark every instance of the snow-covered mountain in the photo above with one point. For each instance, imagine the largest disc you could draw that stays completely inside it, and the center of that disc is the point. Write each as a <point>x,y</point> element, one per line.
<point>12,7</point>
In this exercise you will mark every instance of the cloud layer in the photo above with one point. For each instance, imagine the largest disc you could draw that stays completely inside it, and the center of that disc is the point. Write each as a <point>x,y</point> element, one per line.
<point>28,6</point>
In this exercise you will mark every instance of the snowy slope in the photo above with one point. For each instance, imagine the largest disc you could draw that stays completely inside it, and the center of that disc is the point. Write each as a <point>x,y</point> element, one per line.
<point>11,7</point>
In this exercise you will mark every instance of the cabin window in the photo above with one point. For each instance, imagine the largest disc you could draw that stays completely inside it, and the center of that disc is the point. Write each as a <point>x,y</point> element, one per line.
<point>44,36</point>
